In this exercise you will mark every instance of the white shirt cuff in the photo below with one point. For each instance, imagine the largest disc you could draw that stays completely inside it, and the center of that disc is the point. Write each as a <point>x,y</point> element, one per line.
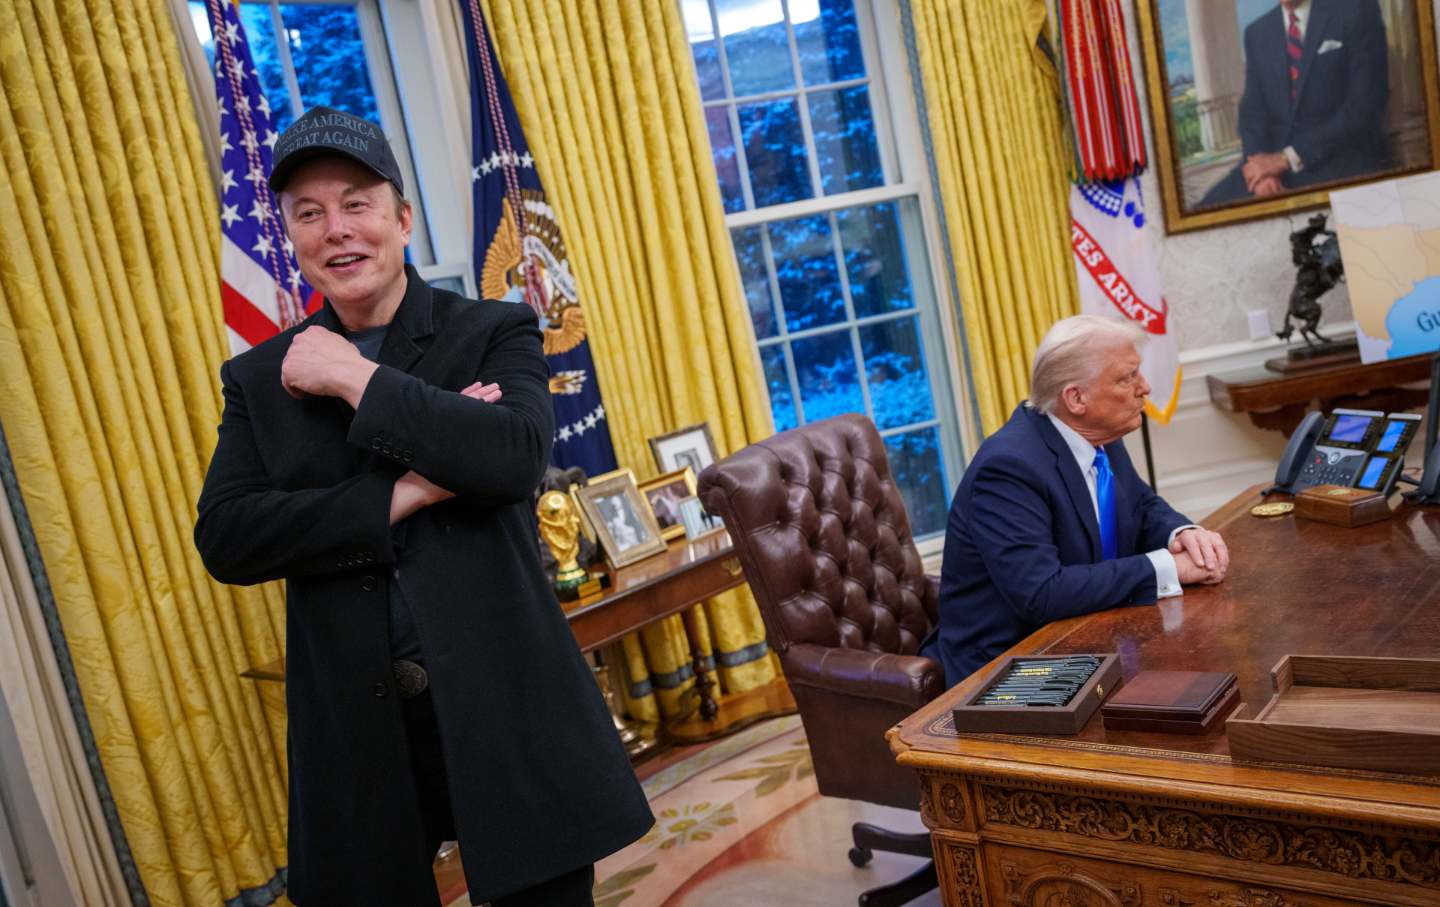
<point>1167,576</point>
<point>1293,156</point>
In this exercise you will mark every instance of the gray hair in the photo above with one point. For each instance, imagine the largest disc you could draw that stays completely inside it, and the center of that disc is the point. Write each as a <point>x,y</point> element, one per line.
<point>1074,351</point>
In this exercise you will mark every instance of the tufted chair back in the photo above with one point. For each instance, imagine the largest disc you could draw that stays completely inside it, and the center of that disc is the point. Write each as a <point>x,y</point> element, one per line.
<point>822,533</point>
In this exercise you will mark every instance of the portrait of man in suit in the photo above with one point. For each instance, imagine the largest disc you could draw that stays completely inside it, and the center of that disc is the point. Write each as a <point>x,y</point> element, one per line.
<point>1316,91</point>
<point>1268,99</point>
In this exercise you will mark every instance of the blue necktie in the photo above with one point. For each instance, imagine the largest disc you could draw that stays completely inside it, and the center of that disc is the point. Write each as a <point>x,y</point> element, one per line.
<point>1105,501</point>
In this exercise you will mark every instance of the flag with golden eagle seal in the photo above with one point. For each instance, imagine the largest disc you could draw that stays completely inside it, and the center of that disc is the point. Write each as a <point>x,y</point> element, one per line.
<point>520,255</point>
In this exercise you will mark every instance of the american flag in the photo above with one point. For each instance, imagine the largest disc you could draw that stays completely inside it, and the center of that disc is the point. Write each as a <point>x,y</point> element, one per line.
<point>520,255</point>
<point>261,288</point>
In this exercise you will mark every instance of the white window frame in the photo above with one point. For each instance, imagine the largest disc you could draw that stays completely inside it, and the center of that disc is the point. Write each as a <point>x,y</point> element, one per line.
<point>907,185</point>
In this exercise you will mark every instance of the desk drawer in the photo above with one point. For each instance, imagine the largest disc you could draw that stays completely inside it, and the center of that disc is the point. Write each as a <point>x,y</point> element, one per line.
<point>1020,877</point>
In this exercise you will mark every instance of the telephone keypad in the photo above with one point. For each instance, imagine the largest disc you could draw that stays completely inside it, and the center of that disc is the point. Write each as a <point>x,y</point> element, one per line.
<point>1331,469</point>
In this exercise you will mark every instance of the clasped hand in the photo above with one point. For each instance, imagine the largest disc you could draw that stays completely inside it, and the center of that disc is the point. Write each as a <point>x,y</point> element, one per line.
<point>1262,172</point>
<point>1200,556</point>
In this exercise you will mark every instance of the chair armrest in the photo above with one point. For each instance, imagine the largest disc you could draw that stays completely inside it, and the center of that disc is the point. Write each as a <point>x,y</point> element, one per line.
<point>908,680</point>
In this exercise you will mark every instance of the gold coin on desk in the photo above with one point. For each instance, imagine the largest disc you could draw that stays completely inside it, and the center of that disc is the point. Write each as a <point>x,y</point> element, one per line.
<point>1275,508</point>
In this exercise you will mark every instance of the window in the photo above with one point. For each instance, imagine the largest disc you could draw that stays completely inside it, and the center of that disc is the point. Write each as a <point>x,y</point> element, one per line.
<point>333,53</point>
<point>825,214</point>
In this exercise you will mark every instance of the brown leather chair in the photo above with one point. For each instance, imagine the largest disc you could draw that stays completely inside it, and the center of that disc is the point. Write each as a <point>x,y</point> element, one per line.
<point>824,540</point>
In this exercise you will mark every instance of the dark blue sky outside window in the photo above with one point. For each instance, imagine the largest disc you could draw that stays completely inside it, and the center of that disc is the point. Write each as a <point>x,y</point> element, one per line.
<point>775,151</point>
<point>727,164</point>
<point>260,32</point>
<point>915,464</point>
<point>750,253</point>
<point>329,57</point>
<point>806,271</point>
<point>895,369</point>
<point>829,44</point>
<point>829,380</point>
<point>757,47</point>
<point>782,404</point>
<point>845,145</point>
<point>875,259</point>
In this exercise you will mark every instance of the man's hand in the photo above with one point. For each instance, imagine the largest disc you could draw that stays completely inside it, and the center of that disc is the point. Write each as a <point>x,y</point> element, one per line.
<point>1203,549</point>
<point>1259,166</point>
<point>322,363</point>
<point>1189,572</point>
<point>1269,186</point>
<point>486,393</point>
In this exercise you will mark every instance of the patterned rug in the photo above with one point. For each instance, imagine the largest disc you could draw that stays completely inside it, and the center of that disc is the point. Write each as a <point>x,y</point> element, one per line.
<point>703,806</point>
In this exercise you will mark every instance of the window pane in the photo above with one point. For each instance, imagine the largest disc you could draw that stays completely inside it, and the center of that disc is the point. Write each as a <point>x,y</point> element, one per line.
<point>775,152</point>
<point>727,163</point>
<point>806,271</point>
<point>701,33</point>
<point>782,404</point>
<point>260,32</point>
<point>828,40</point>
<point>915,465</point>
<point>895,367</point>
<point>200,20</point>
<point>875,259</point>
<point>750,254</point>
<point>829,381</point>
<point>329,57</point>
<point>845,145</point>
<point>757,47</point>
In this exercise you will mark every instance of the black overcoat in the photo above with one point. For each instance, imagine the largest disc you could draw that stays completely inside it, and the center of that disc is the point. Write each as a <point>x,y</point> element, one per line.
<point>300,490</point>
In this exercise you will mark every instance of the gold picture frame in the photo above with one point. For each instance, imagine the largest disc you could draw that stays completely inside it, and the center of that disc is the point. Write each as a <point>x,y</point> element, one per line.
<point>660,494</point>
<point>585,526</point>
<point>621,519</point>
<point>1196,84</point>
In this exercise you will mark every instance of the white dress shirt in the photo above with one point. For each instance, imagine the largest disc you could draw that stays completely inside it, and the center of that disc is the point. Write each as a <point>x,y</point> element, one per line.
<point>1167,575</point>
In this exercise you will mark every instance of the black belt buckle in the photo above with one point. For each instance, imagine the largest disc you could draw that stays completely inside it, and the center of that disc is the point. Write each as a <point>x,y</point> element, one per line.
<point>410,678</point>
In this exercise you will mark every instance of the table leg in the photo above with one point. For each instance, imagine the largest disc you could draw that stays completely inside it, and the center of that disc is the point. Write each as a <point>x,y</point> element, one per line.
<point>708,707</point>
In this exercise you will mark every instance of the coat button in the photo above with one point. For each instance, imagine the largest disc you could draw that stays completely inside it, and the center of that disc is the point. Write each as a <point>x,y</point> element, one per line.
<point>408,455</point>
<point>368,584</point>
<point>374,443</point>
<point>380,690</point>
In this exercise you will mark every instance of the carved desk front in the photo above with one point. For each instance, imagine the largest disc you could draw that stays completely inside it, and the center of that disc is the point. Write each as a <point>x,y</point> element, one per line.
<point>1128,819</point>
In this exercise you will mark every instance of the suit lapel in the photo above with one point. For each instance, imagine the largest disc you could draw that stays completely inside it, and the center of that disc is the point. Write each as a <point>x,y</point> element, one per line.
<point>412,324</point>
<point>1070,477</point>
<point>1274,41</point>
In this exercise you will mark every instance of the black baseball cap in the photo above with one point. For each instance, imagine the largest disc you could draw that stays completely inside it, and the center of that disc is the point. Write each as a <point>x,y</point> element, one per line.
<point>326,132</point>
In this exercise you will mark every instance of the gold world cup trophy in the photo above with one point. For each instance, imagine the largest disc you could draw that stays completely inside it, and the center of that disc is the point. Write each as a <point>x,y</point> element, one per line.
<point>560,528</point>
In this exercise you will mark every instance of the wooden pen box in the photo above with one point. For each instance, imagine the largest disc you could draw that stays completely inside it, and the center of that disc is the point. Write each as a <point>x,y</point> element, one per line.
<point>1172,702</point>
<point>1341,506</point>
<point>1069,718</point>
<point>1381,714</point>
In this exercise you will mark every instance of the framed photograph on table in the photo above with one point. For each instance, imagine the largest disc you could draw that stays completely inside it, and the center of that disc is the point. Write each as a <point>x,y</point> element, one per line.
<point>691,446</point>
<point>622,521</point>
<point>585,525</point>
<point>664,494</point>
<point>1255,114</point>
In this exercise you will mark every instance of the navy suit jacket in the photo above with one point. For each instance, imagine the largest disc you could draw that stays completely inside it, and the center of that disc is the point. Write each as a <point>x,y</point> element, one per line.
<point>1336,123</point>
<point>1022,547</point>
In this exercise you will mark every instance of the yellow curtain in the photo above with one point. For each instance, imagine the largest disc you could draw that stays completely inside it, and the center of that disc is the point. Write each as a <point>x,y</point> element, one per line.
<point>995,124</point>
<point>611,108</point>
<point>109,345</point>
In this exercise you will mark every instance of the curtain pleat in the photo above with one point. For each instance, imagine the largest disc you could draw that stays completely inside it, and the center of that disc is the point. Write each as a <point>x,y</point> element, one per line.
<point>994,123</point>
<point>611,107</point>
<point>110,339</point>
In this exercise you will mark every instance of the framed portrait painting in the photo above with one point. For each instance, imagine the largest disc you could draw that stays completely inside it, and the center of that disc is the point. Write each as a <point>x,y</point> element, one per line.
<point>1260,107</point>
<point>691,446</point>
<point>621,519</point>
<point>664,494</point>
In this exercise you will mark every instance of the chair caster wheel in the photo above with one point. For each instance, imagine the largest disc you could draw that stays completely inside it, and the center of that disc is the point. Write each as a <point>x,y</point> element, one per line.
<point>859,856</point>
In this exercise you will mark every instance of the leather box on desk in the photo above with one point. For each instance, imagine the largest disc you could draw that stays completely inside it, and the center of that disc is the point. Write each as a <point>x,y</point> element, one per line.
<point>1067,719</point>
<point>1172,702</point>
<point>1348,507</point>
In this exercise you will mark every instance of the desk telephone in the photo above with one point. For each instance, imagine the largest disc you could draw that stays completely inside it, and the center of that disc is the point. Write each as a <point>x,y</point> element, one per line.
<point>1350,447</point>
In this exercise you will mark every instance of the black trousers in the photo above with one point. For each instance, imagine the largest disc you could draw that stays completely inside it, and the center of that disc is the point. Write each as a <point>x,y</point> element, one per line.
<point>427,763</point>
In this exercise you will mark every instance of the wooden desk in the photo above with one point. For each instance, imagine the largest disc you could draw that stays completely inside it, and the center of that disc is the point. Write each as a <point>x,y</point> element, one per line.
<point>1278,402</point>
<point>1125,819</point>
